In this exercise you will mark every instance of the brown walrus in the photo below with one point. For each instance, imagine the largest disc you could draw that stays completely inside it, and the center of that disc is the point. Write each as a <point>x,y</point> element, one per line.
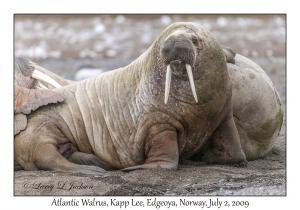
<point>175,100</point>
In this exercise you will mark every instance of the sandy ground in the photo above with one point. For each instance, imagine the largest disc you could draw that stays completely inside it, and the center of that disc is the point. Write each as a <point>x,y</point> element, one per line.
<point>66,44</point>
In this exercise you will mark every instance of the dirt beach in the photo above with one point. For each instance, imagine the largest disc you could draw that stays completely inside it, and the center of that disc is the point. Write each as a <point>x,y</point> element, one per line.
<point>66,44</point>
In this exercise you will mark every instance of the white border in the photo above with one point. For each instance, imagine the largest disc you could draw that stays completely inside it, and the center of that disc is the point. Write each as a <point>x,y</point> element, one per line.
<point>154,6</point>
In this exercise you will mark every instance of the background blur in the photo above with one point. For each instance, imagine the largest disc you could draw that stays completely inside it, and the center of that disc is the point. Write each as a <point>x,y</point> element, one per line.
<point>66,44</point>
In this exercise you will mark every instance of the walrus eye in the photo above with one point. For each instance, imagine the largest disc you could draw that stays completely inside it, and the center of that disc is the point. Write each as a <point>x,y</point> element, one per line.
<point>194,40</point>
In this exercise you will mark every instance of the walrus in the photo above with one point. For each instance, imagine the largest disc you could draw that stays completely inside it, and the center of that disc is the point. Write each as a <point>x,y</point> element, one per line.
<point>257,107</point>
<point>33,89</point>
<point>29,92</point>
<point>174,101</point>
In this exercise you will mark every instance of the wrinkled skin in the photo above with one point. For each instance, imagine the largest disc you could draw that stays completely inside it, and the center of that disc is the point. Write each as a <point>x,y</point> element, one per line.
<point>120,119</point>
<point>29,95</point>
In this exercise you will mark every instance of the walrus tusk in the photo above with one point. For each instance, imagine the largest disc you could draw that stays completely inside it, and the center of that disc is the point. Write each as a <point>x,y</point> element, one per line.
<point>190,74</point>
<point>41,86</point>
<point>43,77</point>
<point>168,83</point>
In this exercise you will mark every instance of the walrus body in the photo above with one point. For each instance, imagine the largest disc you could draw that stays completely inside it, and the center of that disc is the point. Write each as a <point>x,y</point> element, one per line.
<point>257,109</point>
<point>135,118</point>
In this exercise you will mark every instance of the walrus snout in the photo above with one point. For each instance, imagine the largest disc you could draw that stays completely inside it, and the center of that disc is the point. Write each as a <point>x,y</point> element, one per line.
<point>178,48</point>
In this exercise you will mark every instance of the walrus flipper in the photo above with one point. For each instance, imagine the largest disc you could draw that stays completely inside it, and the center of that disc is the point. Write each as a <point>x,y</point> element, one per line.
<point>20,123</point>
<point>27,100</point>
<point>162,151</point>
<point>47,157</point>
<point>88,159</point>
<point>229,55</point>
<point>226,146</point>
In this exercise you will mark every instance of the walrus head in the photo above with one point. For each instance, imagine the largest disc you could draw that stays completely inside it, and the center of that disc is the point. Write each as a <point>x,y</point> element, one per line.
<point>27,76</point>
<point>180,53</point>
<point>190,53</point>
